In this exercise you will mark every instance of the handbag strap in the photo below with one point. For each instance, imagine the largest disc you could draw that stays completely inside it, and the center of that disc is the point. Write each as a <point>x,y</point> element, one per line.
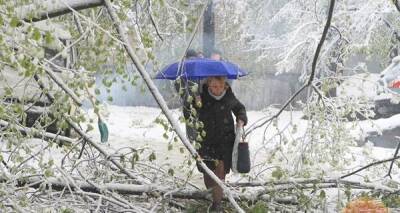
<point>243,136</point>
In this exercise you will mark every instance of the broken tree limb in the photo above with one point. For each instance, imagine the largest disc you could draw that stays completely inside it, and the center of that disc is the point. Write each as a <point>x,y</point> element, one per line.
<point>128,189</point>
<point>161,102</point>
<point>310,183</point>
<point>81,186</point>
<point>37,133</point>
<point>369,165</point>
<point>290,181</point>
<point>85,136</point>
<point>276,189</point>
<point>62,85</point>
<point>40,10</point>
<point>100,149</point>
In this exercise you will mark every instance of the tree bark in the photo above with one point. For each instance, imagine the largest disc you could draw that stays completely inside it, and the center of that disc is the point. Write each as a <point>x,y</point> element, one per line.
<point>310,183</point>
<point>129,189</point>
<point>48,9</point>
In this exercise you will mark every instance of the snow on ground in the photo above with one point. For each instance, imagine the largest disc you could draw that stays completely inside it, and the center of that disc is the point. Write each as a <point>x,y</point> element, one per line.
<point>135,127</point>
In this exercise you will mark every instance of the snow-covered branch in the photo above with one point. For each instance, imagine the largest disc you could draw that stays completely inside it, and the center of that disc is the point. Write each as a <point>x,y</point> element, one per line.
<point>41,134</point>
<point>42,9</point>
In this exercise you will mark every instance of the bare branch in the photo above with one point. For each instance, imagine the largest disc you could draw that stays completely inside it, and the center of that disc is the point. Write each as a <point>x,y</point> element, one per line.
<point>153,21</point>
<point>369,165</point>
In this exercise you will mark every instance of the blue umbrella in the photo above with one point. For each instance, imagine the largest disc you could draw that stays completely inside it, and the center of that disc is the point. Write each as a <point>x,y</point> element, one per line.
<point>199,68</point>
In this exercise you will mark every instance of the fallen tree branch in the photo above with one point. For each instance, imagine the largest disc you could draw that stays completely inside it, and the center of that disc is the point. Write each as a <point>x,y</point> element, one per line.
<point>309,183</point>
<point>161,102</point>
<point>128,189</point>
<point>369,165</point>
<point>165,192</point>
<point>86,137</point>
<point>62,85</point>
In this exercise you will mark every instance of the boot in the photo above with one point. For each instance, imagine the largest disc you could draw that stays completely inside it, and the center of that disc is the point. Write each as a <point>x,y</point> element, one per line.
<point>216,208</point>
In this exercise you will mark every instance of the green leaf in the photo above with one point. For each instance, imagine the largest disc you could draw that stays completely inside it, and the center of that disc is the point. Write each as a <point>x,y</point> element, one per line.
<point>152,156</point>
<point>162,3</point>
<point>1,110</point>
<point>277,173</point>
<point>110,98</point>
<point>36,34</point>
<point>51,162</point>
<point>146,40</point>
<point>96,110</point>
<point>67,210</point>
<point>165,135</point>
<point>348,192</point>
<point>48,173</point>
<point>322,194</point>
<point>48,38</point>
<point>8,91</point>
<point>89,128</point>
<point>14,22</point>
<point>259,207</point>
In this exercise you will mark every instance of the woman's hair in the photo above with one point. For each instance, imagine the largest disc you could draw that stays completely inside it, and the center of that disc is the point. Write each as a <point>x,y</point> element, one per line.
<point>220,79</point>
<point>191,53</point>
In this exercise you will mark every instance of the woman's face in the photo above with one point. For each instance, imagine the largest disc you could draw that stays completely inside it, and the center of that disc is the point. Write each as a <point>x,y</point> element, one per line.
<point>216,87</point>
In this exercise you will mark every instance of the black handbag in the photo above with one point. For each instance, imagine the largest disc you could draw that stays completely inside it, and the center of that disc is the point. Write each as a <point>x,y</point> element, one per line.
<point>243,162</point>
<point>240,153</point>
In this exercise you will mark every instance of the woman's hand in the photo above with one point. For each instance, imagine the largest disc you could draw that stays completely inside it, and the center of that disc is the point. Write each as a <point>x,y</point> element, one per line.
<point>198,101</point>
<point>240,123</point>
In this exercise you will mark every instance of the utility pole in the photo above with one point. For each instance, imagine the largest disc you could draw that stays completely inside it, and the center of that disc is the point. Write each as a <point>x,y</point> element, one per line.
<point>208,29</point>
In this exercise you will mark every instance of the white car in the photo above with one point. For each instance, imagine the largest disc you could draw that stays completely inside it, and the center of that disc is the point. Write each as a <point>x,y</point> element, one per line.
<point>381,90</point>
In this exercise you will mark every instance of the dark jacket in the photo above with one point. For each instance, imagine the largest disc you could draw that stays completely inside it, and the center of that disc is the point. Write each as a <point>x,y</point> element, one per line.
<point>219,125</point>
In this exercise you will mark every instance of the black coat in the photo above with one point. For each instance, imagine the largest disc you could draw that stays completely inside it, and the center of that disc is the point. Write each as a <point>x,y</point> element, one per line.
<point>219,126</point>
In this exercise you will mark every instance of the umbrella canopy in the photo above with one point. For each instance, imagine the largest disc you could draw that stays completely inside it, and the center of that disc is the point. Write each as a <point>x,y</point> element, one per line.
<point>199,68</point>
